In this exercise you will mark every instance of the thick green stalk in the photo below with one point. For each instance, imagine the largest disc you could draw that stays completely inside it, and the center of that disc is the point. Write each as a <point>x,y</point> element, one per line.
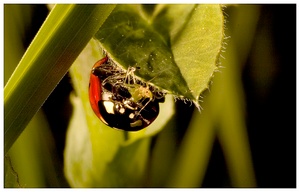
<point>62,37</point>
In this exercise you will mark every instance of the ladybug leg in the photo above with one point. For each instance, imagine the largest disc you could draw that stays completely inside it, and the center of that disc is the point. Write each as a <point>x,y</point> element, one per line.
<point>144,106</point>
<point>147,121</point>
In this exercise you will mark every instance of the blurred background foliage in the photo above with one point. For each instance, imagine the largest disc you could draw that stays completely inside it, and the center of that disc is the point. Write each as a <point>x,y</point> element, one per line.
<point>245,136</point>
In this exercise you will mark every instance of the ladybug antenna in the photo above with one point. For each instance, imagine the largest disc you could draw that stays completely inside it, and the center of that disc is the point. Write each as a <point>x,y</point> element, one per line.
<point>144,106</point>
<point>130,74</point>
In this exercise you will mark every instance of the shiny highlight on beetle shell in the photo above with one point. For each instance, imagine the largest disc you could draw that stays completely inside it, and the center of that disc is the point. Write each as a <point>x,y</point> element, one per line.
<point>120,100</point>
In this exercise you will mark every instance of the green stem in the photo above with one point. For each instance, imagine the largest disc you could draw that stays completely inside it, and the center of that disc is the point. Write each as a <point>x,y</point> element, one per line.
<point>64,34</point>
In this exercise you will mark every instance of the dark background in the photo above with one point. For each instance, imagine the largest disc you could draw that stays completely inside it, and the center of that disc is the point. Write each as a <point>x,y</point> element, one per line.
<point>271,113</point>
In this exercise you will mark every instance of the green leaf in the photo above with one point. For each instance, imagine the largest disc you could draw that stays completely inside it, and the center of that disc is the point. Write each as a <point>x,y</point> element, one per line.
<point>176,48</point>
<point>62,37</point>
<point>128,167</point>
<point>131,41</point>
<point>196,50</point>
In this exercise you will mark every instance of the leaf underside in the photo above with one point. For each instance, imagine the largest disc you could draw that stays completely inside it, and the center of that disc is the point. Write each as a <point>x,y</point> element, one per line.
<point>175,47</point>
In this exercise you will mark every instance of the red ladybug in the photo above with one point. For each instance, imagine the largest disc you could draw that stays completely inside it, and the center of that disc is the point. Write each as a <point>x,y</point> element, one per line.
<point>121,101</point>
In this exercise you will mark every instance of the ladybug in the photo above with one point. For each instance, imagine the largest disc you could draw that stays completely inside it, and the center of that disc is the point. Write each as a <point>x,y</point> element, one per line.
<point>121,101</point>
